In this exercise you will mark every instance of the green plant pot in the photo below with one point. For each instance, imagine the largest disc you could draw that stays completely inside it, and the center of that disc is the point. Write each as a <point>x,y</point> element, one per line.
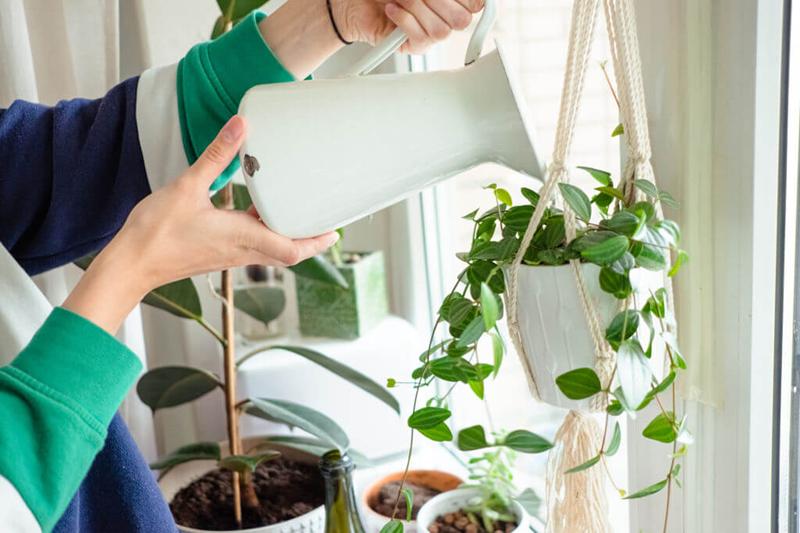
<point>330,311</point>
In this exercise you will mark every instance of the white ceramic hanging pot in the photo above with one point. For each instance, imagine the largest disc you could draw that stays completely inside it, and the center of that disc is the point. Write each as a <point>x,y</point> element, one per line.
<point>552,323</point>
<point>183,474</point>
<point>455,500</point>
<point>323,153</point>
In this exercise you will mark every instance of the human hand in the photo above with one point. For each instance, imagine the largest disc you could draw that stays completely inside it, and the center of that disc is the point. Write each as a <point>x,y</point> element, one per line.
<point>423,21</point>
<point>175,233</point>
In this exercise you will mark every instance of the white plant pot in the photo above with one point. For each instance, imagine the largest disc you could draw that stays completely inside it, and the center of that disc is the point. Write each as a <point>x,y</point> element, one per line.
<point>182,475</point>
<point>555,335</point>
<point>454,500</point>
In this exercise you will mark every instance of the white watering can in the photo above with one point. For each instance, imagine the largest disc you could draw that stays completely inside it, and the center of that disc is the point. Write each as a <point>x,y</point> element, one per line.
<point>323,153</point>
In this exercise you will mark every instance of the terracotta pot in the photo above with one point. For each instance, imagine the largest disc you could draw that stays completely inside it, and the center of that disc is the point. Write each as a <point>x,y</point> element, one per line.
<point>434,479</point>
<point>455,500</point>
<point>182,475</point>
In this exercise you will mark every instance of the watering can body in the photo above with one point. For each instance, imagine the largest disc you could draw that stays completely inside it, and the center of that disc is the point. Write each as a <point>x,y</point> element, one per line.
<point>323,153</point>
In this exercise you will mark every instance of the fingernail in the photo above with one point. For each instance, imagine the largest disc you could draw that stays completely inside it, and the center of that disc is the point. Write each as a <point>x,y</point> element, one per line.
<point>233,129</point>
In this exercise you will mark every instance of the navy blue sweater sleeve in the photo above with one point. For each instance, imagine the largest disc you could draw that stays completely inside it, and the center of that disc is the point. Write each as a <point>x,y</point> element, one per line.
<point>69,176</point>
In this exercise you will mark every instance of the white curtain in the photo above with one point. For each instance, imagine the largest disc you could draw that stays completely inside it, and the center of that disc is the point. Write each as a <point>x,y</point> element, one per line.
<point>57,49</point>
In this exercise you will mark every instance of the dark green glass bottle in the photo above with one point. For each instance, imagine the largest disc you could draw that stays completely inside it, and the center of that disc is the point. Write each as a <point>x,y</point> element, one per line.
<point>341,509</point>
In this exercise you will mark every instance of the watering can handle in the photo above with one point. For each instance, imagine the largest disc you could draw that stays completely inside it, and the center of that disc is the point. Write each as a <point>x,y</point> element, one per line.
<point>396,39</point>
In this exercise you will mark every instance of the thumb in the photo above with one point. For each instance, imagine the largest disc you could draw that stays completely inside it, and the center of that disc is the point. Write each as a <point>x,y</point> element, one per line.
<point>219,153</point>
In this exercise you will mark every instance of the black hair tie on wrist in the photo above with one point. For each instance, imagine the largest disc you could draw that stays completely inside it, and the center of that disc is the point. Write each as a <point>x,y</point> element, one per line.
<point>335,27</point>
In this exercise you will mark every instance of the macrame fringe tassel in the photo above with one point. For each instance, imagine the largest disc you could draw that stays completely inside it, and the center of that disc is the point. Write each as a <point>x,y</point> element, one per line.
<point>576,503</point>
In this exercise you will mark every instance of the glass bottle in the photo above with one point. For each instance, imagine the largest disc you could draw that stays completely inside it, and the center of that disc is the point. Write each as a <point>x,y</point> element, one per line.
<point>341,509</point>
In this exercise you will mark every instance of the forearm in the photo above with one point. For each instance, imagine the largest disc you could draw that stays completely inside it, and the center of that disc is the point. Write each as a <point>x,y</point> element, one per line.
<point>301,35</point>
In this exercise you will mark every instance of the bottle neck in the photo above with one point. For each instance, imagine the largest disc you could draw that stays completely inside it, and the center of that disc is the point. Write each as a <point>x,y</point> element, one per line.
<point>341,509</point>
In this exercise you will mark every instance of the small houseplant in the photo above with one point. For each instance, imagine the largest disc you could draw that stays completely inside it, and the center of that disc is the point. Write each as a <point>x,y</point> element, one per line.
<point>345,312</point>
<point>490,501</point>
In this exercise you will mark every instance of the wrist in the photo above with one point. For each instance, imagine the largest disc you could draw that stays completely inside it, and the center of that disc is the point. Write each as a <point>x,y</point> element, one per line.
<point>112,286</point>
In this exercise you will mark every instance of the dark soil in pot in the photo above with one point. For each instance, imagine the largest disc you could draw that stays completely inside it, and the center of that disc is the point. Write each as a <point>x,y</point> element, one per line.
<point>387,496</point>
<point>285,488</point>
<point>460,522</point>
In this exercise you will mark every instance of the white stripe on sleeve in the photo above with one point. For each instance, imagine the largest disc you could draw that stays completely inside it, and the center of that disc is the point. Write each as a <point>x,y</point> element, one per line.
<point>15,517</point>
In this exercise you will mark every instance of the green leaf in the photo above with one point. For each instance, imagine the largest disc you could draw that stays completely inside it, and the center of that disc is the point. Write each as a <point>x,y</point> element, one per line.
<point>219,27</point>
<point>498,351</point>
<point>300,416</point>
<point>530,195</point>
<point>169,386</point>
<point>681,258</point>
<point>577,201</point>
<point>247,463</point>
<point>615,408</point>
<point>611,191</point>
<point>579,383</point>
<point>607,251</point>
<point>616,284</point>
<point>524,441</point>
<point>477,387</point>
<point>667,199</point>
<point>652,489</point>
<point>623,325</point>
<point>265,304</point>
<point>619,130</point>
<point>408,494</point>
<point>530,501</point>
<point>320,269</point>
<point>661,428</point>
<point>470,215</point>
<point>349,374</point>
<point>489,307</point>
<point>503,196</point>
<point>472,332</point>
<point>428,417</point>
<point>600,175</point>
<point>623,222</point>
<point>584,466</point>
<point>178,298</point>
<point>518,218</point>
<point>646,187</point>
<point>438,433</point>
<point>311,445</point>
<point>616,439</point>
<point>472,438</point>
<point>192,452</point>
<point>651,257</point>
<point>393,526</point>
<point>242,8</point>
<point>633,372</point>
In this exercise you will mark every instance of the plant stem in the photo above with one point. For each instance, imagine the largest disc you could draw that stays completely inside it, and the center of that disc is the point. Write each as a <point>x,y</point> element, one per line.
<point>414,408</point>
<point>229,363</point>
<point>211,329</point>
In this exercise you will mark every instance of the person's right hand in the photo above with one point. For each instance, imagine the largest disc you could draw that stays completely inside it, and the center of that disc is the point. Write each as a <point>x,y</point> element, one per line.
<point>175,233</point>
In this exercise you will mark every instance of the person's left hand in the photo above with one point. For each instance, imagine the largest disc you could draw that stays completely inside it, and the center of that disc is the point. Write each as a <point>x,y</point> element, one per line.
<point>424,21</point>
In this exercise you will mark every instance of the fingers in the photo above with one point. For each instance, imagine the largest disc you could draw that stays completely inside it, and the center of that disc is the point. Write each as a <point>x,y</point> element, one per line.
<point>418,38</point>
<point>454,14</point>
<point>219,153</point>
<point>473,6</point>
<point>254,236</point>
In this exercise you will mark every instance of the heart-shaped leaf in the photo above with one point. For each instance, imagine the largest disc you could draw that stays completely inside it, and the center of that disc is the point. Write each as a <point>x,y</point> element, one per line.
<point>438,433</point>
<point>633,371</point>
<point>579,383</point>
<point>606,252</point>
<point>577,201</point>
<point>600,175</point>
<point>428,417</point>
<point>320,269</point>
<point>524,441</point>
<point>472,438</point>
<point>661,428</point>
<point>169,386</point>
<point>265,304</point>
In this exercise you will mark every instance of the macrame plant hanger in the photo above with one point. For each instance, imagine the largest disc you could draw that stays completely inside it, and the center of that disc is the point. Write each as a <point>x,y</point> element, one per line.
<point>577,503</point>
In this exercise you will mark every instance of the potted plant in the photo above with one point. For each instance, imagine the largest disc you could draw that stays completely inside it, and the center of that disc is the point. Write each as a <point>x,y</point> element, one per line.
<point>378,500</point>
<point>490,502</point>
<point>344,312</point>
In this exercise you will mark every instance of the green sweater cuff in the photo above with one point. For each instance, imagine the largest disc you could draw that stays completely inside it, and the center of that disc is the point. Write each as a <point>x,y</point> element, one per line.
<point>212,80</point>
<point>78,363</point>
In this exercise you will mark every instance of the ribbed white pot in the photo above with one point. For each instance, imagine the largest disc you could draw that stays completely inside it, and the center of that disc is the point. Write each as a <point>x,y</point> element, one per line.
<point>555,334</point>
<point>455,500</point>
<point>182,475</point>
